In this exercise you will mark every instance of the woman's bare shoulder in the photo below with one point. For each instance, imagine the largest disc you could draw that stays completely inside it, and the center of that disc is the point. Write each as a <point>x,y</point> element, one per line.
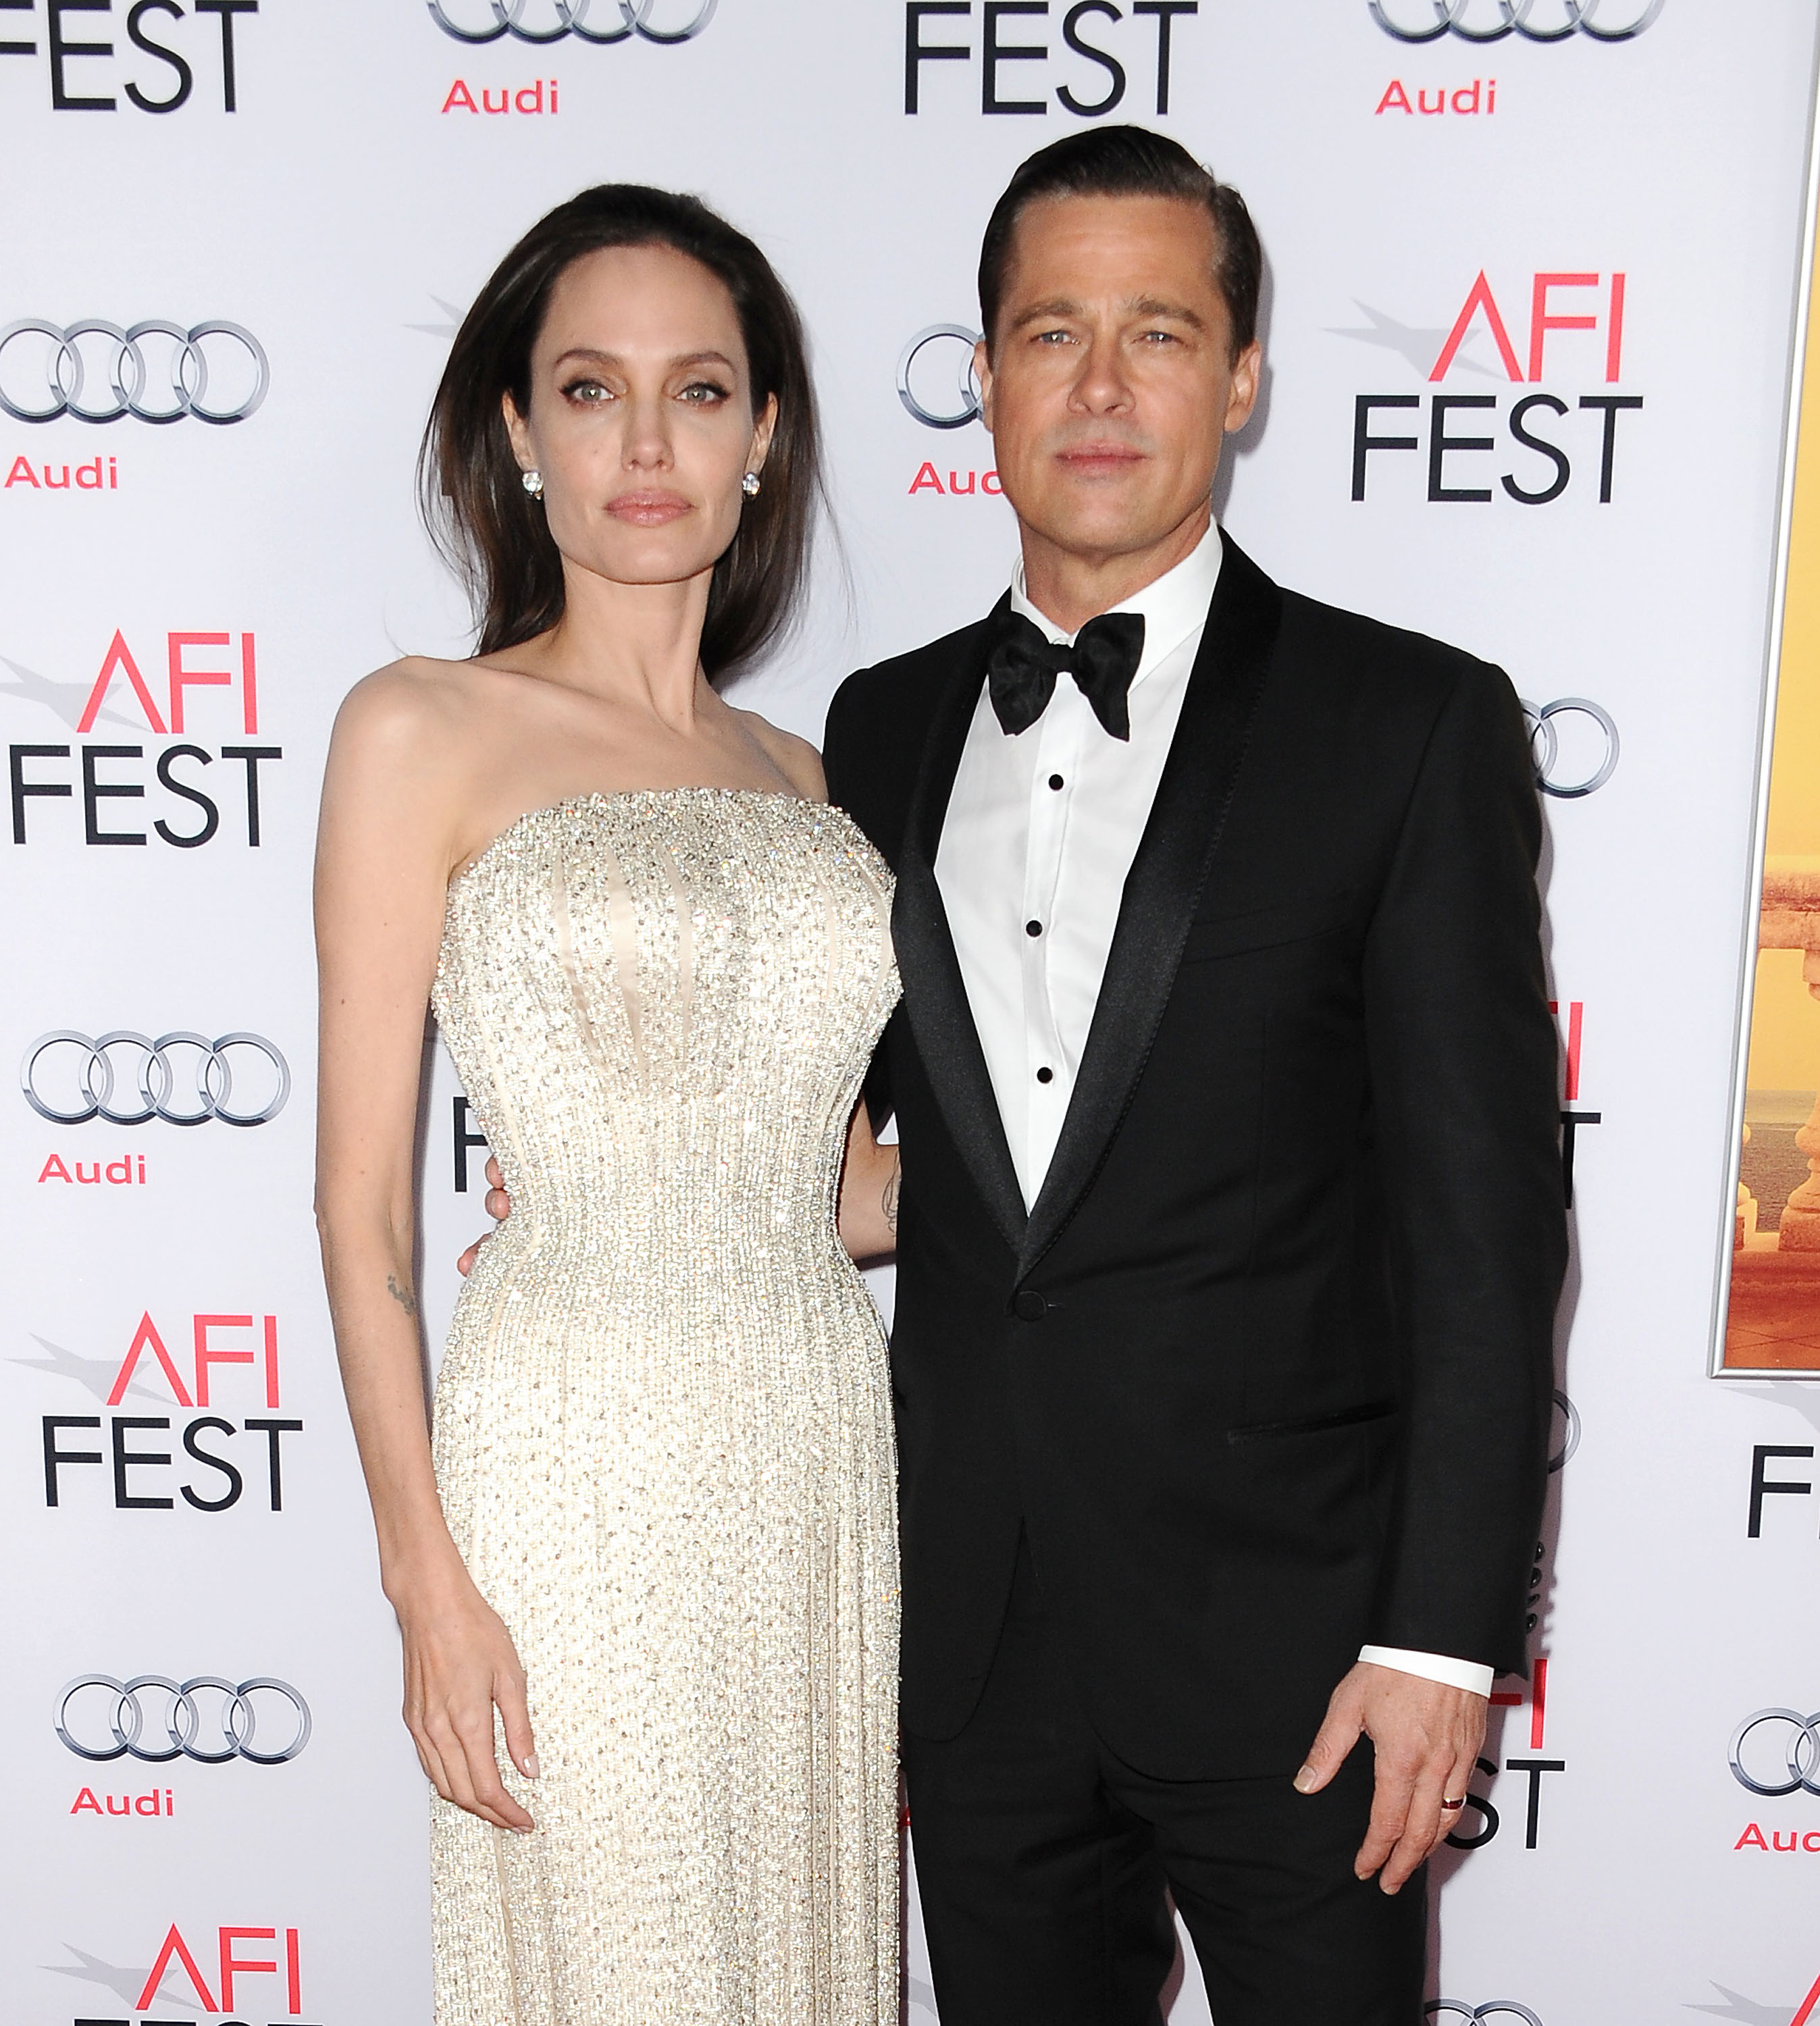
<point>412,695</point>
<point>797,760</point>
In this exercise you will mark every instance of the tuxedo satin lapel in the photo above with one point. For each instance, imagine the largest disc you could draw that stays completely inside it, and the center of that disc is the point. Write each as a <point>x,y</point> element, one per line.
<point>934,994</point>
<point>1163,889</point>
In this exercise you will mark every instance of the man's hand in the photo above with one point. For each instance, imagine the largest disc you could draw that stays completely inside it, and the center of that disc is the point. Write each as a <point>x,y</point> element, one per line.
<point>498,1208</point>
<point>1427,1736</point>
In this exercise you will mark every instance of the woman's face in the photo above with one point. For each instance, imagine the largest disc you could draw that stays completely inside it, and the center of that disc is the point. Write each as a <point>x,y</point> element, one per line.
<point>641,418</point>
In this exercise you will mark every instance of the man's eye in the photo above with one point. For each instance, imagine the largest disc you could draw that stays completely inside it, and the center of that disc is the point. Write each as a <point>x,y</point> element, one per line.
<point>1052,337</point>
<point>1160,336</point>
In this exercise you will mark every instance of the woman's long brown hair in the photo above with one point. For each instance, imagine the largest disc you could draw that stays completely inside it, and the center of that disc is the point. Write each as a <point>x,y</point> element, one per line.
<point>471,490</point>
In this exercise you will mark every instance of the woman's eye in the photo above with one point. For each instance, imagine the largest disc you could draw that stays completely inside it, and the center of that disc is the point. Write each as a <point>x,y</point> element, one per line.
<point>589,392</point>
<point>704,393</point>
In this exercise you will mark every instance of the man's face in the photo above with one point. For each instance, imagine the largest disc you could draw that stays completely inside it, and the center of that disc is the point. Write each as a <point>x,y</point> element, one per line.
<point>1109,381</point>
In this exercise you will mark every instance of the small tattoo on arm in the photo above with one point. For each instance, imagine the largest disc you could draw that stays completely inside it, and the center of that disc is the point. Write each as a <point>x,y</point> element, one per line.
<point>404,1297</point>
<point>894,1183</point>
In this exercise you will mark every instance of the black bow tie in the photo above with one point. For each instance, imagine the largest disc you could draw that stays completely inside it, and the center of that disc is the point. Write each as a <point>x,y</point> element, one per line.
<point>1021,675</point>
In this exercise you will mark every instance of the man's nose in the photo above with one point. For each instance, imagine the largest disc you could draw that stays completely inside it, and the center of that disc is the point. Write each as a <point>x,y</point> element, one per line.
<point>1101,387</point>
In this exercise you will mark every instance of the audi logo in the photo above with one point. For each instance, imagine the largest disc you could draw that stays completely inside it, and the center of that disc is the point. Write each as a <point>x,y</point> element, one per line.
<point>1560,1458</point>
<point>1577,758</point>
<point>569,17</point>
<point>1604,21</point>
<point>940,390</point>
<point>206,1719</point>
<point>70,1079</point>
<point>158,372</point>
<point>1499,2008</point>
<point>1785,1756</point>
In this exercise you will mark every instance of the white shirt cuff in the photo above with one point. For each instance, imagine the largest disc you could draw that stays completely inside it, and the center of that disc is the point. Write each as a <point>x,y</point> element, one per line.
<point>1468,1674</point>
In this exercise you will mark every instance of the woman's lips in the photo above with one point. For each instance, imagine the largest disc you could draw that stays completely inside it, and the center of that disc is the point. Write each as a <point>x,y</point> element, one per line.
<point>648,510</point>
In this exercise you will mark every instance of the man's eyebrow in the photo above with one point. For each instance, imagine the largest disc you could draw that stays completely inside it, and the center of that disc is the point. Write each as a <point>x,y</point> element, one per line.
<point>1143,306</point>
<point>1155,306</point>
<point>1054,306</point>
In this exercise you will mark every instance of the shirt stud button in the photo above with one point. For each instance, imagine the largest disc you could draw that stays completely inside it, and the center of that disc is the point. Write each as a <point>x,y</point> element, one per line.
<point>1045,1075</point>
<point>1033,928</point>
<point>1056,781</point>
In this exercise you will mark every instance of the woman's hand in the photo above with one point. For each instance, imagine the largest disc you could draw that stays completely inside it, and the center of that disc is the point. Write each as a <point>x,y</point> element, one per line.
<point>459,1666</point>
<point>499,1207</point>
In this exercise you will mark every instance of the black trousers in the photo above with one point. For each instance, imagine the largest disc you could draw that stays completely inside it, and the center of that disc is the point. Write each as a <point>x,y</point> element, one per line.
<point>1042,1862</point>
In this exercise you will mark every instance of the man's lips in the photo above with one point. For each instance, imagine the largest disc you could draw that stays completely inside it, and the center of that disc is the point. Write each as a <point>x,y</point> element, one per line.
<point>1091,458</point>
<point>648,509</point>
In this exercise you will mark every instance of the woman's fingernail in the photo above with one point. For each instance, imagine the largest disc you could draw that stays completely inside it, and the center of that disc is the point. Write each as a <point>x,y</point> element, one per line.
<point>532,1768</point>
<point>1305,1780</point>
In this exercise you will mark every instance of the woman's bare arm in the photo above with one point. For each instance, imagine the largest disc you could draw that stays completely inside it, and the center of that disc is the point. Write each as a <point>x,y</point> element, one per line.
<point>869,1186</point>
<point>387,842</point>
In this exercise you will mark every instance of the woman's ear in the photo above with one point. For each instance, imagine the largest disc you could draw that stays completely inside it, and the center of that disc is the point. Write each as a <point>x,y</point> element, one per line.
<point>519,430</point>
<point>762,432</point>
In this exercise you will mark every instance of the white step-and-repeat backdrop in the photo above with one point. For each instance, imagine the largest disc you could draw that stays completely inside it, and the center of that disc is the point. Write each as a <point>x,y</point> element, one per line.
<point>1534,267</point>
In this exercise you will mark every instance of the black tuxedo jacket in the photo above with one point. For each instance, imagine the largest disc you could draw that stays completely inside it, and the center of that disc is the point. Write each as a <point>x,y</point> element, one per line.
<point>1265,1371</point>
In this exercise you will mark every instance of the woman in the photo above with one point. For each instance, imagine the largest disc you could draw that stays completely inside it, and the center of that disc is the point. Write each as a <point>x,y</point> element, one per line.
<point>656,1534</point>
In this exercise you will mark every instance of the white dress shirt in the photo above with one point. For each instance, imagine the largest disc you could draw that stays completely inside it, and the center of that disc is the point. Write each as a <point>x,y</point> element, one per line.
<point>1041,832</point>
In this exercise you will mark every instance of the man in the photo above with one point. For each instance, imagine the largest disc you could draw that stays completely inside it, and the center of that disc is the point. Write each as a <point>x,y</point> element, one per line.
<point>1231,1221</point>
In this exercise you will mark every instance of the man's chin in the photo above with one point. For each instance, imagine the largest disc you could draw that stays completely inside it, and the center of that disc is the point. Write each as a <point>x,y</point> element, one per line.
<point>1103,519</point>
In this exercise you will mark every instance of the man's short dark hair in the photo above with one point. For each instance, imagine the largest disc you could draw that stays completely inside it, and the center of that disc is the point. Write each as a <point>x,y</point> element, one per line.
<point>1129,161</point>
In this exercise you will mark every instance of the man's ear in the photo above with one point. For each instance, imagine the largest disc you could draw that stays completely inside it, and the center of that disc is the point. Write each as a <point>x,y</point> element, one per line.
<point>982,372</point>
<point>1247,375</point>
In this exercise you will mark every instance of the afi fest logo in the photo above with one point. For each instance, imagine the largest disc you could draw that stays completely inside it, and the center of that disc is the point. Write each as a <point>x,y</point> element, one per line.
<point>1101,50</point>
<point>168,61</point>
<point>134,1465</point>
<point>1451,2012</point>
<point>187,804</point>
<point>1738,2006</point>
<point>597,21</point>
<point>1529,450</point>
<point>251,1971</point>
<point>1534,21</point>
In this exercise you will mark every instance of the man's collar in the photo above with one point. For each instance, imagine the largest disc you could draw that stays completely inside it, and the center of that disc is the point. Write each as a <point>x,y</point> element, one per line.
<point>1173,606</point>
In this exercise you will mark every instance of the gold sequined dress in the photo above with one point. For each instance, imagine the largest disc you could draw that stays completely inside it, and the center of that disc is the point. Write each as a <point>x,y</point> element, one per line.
<point>662,1425</point>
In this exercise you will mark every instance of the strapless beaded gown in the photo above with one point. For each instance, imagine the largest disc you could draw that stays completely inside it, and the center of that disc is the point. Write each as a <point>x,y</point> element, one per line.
<point>662,1426</point>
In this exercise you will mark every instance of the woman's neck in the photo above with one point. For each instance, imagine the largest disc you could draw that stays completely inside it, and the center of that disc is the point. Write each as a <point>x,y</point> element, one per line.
<point>637,645</point>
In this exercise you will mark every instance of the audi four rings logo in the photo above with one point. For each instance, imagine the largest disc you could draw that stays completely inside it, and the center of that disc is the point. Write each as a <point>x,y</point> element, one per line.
<point>206,1719</point>
<point>935,376</point>
<point>1574,757</point>
<point>156,371</point>
<point>1777,1752</point>
<point>1499,2008</point>
<point>1560,1458</point>
<point>1491,21</point>
<point>653,20</point>
<point>70,1078</point>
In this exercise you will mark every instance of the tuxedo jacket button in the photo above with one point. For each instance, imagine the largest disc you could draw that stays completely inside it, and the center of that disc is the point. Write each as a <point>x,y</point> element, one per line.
<point>1030,1306</point>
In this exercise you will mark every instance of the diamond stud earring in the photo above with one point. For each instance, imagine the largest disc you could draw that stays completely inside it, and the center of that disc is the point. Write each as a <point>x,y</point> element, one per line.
<point>533,481</point>
<point>749,485</point>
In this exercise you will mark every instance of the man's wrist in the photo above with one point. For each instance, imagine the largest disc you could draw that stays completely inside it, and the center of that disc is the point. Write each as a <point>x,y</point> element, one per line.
<point>1470,1675</point>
